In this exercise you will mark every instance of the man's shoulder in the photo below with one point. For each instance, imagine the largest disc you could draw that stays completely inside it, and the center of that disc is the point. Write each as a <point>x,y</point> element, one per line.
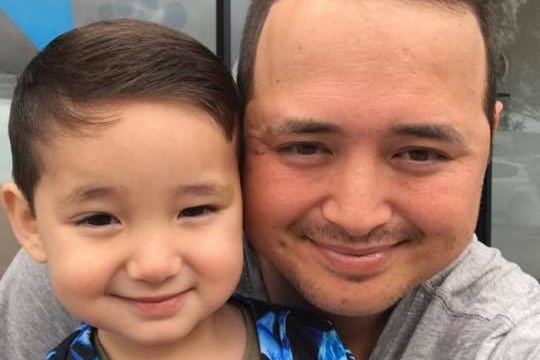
<point>32,316</point>
<point>483,307</point>
<point>484,285</point>
<point>480,307</point>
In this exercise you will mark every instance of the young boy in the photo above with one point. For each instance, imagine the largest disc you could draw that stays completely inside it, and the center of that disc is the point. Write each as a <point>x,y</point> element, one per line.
<point>124,142</point>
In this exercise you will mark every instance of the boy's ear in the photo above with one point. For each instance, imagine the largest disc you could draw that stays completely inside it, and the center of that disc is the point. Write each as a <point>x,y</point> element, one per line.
<point>23,222</point>
<point>497,117</point>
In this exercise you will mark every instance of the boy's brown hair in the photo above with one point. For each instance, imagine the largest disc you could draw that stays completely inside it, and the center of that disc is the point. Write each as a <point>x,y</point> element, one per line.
<point>103,63</point>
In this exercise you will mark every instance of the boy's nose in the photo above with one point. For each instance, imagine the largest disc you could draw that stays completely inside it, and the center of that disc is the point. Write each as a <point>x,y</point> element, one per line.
<point>155,261</point>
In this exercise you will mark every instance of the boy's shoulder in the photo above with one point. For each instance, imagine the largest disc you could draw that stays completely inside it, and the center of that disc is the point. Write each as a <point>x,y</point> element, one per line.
<point>287,333</point>
<point>77,346</point>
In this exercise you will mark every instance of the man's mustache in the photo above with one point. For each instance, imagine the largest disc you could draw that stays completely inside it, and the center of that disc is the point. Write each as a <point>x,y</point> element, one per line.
<point>382,235</point>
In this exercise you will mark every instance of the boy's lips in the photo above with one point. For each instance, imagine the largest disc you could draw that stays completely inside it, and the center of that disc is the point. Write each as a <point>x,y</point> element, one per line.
<point>153,299</point>
<point>157,305</point>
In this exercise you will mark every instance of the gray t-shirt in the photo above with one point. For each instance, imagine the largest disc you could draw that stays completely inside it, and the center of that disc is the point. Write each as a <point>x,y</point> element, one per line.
<point>481,307</point>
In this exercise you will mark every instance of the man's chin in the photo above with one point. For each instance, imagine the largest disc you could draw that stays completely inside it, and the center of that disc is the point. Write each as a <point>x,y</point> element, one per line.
<point>343,298</point>
<point>352,310</point>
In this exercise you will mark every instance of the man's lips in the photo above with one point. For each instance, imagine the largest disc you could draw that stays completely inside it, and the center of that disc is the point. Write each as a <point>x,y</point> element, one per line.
<point>352,250</point>
<point>355,259</point>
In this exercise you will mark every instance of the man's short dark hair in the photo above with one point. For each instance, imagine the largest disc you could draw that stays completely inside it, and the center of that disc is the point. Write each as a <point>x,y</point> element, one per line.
<point>107,62</point>
<point>482,9</point>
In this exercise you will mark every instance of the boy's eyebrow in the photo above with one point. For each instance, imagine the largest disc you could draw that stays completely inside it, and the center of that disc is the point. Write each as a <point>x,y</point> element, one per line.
<point>204,189</point>
<point>303,126</point>
<point>87,193</point>
<point>440,132</point>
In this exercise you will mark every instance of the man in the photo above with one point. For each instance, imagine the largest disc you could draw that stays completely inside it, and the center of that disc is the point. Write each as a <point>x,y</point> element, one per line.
<point>368,126</point>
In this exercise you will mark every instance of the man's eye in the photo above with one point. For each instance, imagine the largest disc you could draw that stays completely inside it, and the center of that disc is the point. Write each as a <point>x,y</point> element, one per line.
<point>195,211</point>
<point>303,149</point>
<point>98,220</point>
<point>421,155</point>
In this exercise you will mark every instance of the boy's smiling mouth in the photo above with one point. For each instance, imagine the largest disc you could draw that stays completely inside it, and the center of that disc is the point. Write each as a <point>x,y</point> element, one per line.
<point>159,306</point>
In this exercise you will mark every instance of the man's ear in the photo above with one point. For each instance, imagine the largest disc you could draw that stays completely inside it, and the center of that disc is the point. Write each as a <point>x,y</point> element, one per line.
<point>23,222</point>
<point>496,118</point>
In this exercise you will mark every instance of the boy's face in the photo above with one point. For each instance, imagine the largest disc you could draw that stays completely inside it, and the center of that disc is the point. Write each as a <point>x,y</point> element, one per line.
<point>140,222</point>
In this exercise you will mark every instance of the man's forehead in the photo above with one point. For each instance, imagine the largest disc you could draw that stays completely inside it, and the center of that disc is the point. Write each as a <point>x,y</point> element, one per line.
<point>414,62</point>
<point>289,20</point>
<point>348,36</point>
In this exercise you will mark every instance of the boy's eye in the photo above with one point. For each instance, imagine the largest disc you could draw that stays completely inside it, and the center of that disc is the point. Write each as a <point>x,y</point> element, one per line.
<point>98,220</point>
<point>195,211</point>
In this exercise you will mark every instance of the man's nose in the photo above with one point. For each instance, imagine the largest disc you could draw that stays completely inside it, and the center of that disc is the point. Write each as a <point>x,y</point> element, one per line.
<point>359,197</point>
<point>155,258</point>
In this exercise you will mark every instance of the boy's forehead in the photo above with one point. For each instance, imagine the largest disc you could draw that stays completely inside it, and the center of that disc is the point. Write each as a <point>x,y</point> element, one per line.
<point>146,143</point>
<point>83,121</point>
<point>92,118</point>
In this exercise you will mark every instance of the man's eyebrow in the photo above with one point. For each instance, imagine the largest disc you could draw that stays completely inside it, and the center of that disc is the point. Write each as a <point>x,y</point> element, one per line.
<point>304,126</point>
<point>440,132</point>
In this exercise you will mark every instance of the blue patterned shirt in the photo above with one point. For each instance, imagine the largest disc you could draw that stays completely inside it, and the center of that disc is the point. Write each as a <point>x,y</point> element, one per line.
<point>283,334</point>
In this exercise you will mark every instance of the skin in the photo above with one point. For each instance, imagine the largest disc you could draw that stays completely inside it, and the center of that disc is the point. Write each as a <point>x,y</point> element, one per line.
<point>366,147</point>
<point>149,250</point>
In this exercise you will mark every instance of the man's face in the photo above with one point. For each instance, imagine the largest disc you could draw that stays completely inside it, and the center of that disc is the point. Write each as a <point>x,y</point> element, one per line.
<point>141,222</point>
<point>366,146</point>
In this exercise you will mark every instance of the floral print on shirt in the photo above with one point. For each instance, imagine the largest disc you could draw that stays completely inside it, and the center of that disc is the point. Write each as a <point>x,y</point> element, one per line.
<point>283,334</point>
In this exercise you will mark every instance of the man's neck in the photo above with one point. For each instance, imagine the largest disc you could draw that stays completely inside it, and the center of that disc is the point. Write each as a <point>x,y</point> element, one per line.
<point>360,334</point>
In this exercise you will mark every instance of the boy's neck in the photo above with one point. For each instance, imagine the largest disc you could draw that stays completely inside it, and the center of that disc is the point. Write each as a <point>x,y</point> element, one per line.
<point>222,335</point>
